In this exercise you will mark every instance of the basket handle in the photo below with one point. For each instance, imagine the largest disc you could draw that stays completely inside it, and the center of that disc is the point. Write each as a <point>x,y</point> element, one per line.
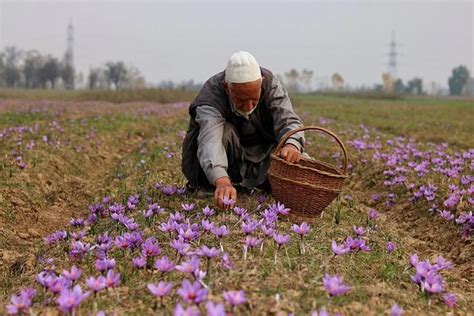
<point>288,134</point>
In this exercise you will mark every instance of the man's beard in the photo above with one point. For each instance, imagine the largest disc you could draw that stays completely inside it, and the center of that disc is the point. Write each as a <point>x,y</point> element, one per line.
<point>245,114</point>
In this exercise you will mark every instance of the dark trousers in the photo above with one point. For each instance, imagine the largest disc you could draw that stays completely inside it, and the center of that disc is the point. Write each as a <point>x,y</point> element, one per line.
<point>240,171</point>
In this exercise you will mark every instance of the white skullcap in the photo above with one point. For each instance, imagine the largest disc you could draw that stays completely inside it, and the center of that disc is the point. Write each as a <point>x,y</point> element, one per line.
<point>242,67</point>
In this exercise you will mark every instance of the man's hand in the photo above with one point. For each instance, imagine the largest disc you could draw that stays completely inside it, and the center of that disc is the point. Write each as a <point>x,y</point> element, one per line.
<point>224,188</point>
<point>290,153</point>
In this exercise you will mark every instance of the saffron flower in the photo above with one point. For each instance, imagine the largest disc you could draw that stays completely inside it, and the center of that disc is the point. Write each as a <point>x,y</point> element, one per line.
<point>190,265</point>
<point>187,207</point>
<point>235,298</point>
<point>215,309</point>
<point>281,239</point>
<point>150,247</point>
<point>68,300</point>
<point>190,311</point>
<point>391,247</point>
<point>450,300</point>
<point>72,275</point>
<point>227,262</point>
<point>139,262</point>
<point>164,264</point>
<point>161,289</point>
<point>359,231</point>
<point>228,202</point>
<point>192,293</point>
<point>96,284</point>
<point>334,285</point>
<point>209,252</point>
<point>396,310</point>
<point>104,264</point>
<point>339,250</point>
<point>208,212</point>
<point>112,279</point>
<point>373,214</point>
<point>19,304</point>
<point>301,230</point>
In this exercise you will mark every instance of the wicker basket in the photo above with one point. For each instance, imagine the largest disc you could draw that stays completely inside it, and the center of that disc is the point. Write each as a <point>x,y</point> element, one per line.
<point>309,186</point>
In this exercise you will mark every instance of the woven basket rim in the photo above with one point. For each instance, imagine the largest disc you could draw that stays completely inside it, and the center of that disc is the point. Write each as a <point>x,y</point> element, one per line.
<point>334,175</point>
<point>306,184</point>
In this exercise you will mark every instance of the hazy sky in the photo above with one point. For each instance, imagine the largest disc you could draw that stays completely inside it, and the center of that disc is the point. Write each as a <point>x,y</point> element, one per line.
<point>178,40</point>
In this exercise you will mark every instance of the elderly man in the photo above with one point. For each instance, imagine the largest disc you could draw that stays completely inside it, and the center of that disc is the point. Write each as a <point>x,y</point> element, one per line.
<point>237,119</point>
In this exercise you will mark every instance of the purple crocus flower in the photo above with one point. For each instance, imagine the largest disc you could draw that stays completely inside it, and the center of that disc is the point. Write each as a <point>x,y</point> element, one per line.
<point>68,300</point>
<point>192,293</point>
<point>190,265</point>
<point>334,285</point>
<point>104,264</point>
<point>215,309</point>
<point>447,215</point>
<point>281,239</point>
<point>360,231</point>
<point>168,190</point>
<point>396,310</point>
<point>239,211</point>
<point>96,284</point>
<point>442,264</point>
<point>187,207</point>
<point>208,211</point>
<point>355,244</point>
<point>221,231</point>
<point>164,264</point>
<point>432,284</point>
<point>21,303</point>
<point>373,214</point>
<point>209,252</point>
<point>150,247</point>
<point>280,208</point>
<point>227,262</point>
<point>188,233</point>
<point>72,275</point>
<point>161,289</point>
<point>139,262</point>
<point>414,260</point>
<point>180,246</point>
<point>228,202</point>
<point>190,311</point>
<point>55,237</point>
<point>168,226</point>
<point>450,300</point>
<point>391,247</point>
<point>301,230</point>
<point>235,298</point>
<point>57,284</point>
<point>249,227</point>
<point>252,242</point>
<point>112,279</point>
<point>339,250</point>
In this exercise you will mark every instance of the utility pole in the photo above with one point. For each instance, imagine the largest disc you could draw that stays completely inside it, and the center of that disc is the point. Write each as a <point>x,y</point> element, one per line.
<point>69,57</point>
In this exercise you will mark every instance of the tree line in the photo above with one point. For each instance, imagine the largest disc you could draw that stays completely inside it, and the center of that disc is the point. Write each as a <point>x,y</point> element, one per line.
<point>34,70</point>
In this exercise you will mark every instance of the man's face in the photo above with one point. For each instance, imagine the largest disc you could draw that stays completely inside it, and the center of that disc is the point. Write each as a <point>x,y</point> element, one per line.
<point>244,96</point>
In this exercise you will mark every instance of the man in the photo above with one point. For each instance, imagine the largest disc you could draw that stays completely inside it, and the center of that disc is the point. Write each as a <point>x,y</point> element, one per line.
<point>236,120</point>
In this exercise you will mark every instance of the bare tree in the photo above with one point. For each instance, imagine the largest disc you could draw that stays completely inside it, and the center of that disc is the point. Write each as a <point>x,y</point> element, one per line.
<point>306,77</point>
<point>67,74</point>
<point>337,81</point>
<point>31,67</point>
<point>115,73</point>
<point>49,72</point>
<point>12,73</point>
<point>292,80</point>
